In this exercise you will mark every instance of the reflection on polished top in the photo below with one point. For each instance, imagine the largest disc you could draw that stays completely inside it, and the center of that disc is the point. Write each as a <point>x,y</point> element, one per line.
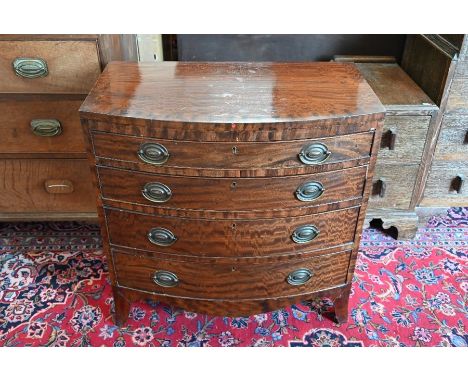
<point>230,92</point>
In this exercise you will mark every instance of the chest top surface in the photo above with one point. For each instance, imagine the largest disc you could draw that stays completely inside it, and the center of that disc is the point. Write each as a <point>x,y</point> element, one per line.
<point>217,92</point>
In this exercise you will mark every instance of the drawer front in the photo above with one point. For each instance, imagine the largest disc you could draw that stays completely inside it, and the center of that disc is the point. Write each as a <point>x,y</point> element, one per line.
<point>41,126</point>
<point>447,185</point>
<point>226,194</point>
<point>231,238</point>
<point>452,144</point>
<point>403,138</point>
<point>235,158</point>
<point>392,186</point>
<point>230,281</point>
<point>46,185</point>
<point>48,66</point>
<point>457,101</point>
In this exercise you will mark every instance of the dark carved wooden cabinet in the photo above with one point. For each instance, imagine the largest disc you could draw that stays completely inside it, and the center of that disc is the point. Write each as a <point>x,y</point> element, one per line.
<point>232,188</point>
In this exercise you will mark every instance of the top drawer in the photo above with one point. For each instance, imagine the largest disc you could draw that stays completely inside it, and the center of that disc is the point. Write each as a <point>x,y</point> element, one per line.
<point>48,66</point>
<point>232,159</point>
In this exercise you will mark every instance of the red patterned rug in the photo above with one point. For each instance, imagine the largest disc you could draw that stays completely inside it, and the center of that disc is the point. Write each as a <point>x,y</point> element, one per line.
<point>54,291</point>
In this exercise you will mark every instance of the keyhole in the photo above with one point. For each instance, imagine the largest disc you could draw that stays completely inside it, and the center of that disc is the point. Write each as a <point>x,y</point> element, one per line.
<point>233,185</point>
<point>234,226</point>
<point>233,269</point>
<point>235,150</point>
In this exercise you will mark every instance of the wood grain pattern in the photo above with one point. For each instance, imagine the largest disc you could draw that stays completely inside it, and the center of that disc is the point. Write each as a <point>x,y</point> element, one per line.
<point>457,101</point>
<point>255,195</point>
<point>452,144</point>
<point>442,82</point>
<point>232,308</point>
<point>393,86</point>
<point>231,93</point>
<point>23,189</point>
<point>232,159</point>
<point>117,47</point>
<point>73,66</point>
<point>410,137</point>
<point>440,190</point>
<point>399,182</point>
<point>230,238</point>
<point>239,132</point>
<point>15,129</point>
<point>230,281</point>
<point>212,108</point>
<point>427,66</point>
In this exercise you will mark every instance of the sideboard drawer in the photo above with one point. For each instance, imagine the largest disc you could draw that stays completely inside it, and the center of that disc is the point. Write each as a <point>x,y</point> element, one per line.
<point>226,194</point>
<point>231,158</point>
<point>48,66</point>
<point>46,185</point>
<point>224,238</point>
<point>403,138</point>
<point>238,280</point>
<point>447,185</point>
<point>452,144</point>
<point>392,186</point>
<point>44,126</point>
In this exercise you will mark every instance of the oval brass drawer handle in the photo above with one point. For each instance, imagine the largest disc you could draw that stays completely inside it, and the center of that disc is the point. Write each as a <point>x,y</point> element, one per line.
<point>305,234</point>
<point>299,276</point>
<point>166,279</point>
<point>46,127</point>
<point>156,192</point>
<point>153,153</point>
<point>314,153</point>
<point>309,191</point>
<point>161,236</point>
<point>30,67</point>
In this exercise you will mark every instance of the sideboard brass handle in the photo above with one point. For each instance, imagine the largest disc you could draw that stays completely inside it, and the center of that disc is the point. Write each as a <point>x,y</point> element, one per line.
<point>161,236</point>
<point>457,183</point>
<point>166,279</point>
<point>27,67</point>
<point>309,191</point>
<point>156,192</point>
<point>46,127</point>
<point>153,153</point>
<point>299,277</point>
<point>305,234</point>
<point>314,153</point>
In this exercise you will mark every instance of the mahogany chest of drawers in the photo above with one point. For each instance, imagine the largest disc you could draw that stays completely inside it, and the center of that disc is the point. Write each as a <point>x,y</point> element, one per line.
<point>232,188</point>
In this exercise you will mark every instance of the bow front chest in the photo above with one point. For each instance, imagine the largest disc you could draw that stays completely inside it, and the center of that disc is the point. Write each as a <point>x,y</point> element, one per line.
<point>231,188</point>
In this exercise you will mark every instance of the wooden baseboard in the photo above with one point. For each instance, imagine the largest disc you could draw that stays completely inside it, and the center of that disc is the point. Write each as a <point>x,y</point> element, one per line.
<point>49,216</point>
<point>401,225</point>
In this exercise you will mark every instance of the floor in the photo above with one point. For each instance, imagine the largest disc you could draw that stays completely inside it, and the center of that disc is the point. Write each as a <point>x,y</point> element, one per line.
<point>54,291</point>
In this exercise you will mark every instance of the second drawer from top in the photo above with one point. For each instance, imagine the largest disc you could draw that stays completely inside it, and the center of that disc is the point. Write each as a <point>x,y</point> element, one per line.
<point>228,194</point>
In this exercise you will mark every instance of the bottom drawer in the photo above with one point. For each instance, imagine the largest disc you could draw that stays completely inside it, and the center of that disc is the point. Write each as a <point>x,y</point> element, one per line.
<point>447,185</point>
<point>235,280</point>
<point>392,186</point>
<point>46,185</point>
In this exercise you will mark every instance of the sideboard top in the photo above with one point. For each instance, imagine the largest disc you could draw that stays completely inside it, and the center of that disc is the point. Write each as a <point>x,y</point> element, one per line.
<point>230,92</point>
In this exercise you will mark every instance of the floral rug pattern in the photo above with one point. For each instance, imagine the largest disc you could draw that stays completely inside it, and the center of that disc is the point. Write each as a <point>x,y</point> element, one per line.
<point>54,291</point>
